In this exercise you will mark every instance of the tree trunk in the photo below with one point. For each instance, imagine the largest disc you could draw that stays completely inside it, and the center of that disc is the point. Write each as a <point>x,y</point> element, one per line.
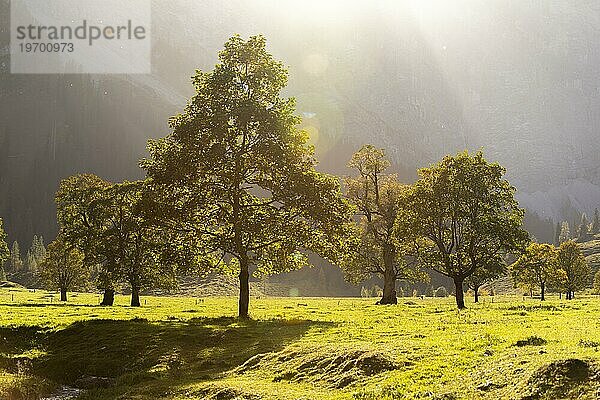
<point>572,295</point>
<point>460,295</point>
<point>476,290</point>
<point>135,297</point>
<point>63,294</point>
<point>389,277</point>
<point>543,287</point>
<point>244,289</point>
<point>108,299</point>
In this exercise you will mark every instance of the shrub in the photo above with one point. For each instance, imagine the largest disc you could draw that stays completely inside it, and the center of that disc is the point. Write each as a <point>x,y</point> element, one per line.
<point>441,292</point>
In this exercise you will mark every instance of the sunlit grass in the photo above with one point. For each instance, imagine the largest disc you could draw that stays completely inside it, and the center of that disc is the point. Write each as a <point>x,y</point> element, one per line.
<point>178,347</point>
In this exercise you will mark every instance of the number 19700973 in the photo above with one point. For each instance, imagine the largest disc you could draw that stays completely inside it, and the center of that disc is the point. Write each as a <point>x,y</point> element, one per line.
<point>36,47</point>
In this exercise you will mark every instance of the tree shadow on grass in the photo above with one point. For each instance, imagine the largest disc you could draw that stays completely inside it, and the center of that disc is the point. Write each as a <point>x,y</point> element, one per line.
<point>139,352</point>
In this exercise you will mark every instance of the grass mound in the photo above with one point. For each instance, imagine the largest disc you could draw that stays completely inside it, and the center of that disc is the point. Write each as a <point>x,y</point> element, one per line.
<point>571,378</point>
<point>335,368</point>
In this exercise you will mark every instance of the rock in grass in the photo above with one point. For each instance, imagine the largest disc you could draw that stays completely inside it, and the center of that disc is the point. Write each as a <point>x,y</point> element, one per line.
<point>531,341</point>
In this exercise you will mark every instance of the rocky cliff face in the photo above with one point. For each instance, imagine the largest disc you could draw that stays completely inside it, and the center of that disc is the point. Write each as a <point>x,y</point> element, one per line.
<point>518,79</point>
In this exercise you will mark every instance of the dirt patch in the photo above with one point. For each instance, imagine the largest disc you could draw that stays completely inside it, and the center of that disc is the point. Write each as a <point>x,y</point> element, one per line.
<point>571,378</point>
<point>332,368</point>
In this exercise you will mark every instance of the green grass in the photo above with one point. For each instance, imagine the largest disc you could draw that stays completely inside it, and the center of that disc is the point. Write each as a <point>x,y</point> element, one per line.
<point>294,348</point>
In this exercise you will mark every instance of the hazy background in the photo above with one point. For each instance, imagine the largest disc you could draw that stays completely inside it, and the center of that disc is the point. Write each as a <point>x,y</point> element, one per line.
<point>518,79</point>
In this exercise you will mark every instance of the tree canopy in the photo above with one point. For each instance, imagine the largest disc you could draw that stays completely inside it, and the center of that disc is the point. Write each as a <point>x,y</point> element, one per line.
<point>536,266</point>
<point>238,174</point>
<point>466,214</point>
<point>378,251</point>
<point>572,270</point>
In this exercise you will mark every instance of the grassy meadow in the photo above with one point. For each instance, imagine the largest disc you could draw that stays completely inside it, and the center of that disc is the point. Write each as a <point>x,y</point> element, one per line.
<point>297,348</point>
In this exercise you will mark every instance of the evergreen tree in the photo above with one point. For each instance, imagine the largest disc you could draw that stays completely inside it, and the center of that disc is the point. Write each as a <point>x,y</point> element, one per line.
<point>30,264</point>
<point>35,250</point>
<point>565,232</point>
<point>557,234</point>
<point>596,222</point>
<point>4,252</point>
<point>16,263</point>
<point>39,252</point>
<point>583,229</point>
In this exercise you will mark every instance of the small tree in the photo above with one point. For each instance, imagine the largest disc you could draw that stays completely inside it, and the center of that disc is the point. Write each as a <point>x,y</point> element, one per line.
<point>537,266</point>
<point>573,271</point>
<point>63,268</point>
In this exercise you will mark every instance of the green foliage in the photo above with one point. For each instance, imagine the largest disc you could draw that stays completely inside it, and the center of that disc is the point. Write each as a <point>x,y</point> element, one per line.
<point>63,268</point>
<point>466,216</point>
<point>536,266</point>
<point>139,247</point>
<point>237,176</point>
<point>572,270</point>
<point>378,251</point>
<point>111,224</point>
<point>4,252</point>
